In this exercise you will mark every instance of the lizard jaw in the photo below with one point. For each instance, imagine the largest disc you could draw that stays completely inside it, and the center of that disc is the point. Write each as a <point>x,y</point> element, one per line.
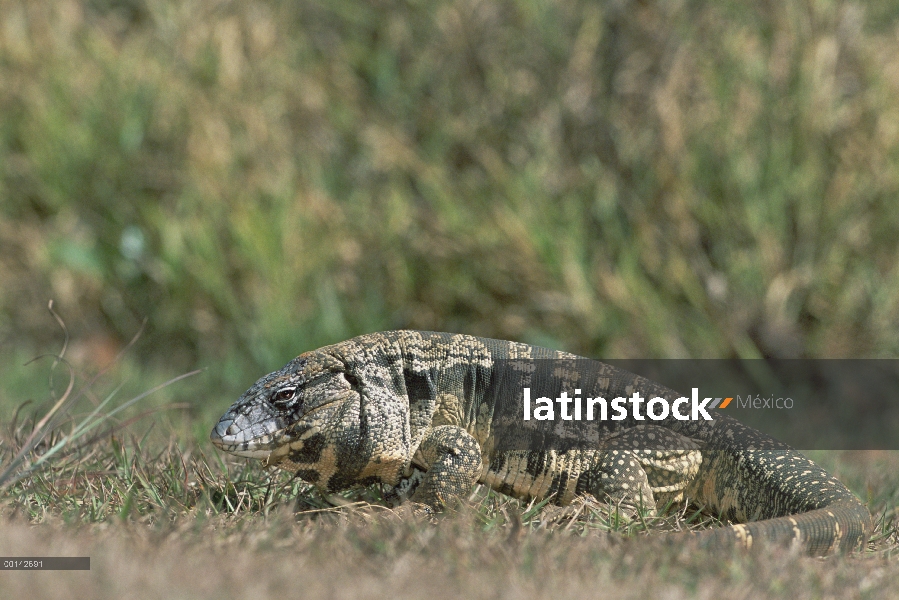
<point>228,435</point>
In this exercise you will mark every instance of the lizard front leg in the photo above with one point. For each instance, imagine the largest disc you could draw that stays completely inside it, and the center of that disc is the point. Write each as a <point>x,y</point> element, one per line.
<point>452,459</point>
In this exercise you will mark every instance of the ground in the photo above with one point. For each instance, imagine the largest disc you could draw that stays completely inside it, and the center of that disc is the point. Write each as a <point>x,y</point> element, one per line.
<point>185,524</point>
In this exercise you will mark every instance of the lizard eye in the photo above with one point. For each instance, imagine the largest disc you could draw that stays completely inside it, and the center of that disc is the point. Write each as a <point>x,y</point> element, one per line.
<point>284,395</point>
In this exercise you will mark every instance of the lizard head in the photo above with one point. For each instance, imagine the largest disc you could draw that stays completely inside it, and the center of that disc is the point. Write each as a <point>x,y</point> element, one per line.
<point>309,418</point>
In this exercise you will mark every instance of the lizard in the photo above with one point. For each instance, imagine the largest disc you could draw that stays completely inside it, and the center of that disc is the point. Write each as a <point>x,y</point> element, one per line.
<point>430,414</point>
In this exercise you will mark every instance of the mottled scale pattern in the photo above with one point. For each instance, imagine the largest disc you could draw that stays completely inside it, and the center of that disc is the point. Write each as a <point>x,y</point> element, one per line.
<point>426,414</point>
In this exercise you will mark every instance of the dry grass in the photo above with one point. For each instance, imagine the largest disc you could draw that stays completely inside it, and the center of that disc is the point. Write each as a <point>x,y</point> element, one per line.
<point>170,521</point>
<point>354,552</point>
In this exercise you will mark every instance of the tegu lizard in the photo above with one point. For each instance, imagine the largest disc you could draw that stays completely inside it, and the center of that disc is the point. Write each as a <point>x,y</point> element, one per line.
<point>383,407</point>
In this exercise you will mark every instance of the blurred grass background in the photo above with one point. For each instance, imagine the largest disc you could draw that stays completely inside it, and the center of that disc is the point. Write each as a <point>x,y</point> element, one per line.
<point>628,179</point>
<point>624,179</point>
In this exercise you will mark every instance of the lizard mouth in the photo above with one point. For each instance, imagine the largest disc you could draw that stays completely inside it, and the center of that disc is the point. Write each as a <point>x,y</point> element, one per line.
<point>227,435</point>
<point>260,437</point>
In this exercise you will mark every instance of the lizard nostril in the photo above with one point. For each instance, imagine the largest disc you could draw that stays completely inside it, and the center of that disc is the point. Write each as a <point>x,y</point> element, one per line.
<point>233,430</point>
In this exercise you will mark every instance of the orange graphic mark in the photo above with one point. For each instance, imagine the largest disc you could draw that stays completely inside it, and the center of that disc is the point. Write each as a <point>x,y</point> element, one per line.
<point>725,403</point>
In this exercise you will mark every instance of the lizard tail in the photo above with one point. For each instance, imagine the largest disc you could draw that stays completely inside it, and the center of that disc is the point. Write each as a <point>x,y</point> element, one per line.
<point>844,526</point>
<point>779,496</point>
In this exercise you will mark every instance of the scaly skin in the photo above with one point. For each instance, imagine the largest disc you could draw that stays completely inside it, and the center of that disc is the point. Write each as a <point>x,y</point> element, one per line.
<point>385,407</point>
